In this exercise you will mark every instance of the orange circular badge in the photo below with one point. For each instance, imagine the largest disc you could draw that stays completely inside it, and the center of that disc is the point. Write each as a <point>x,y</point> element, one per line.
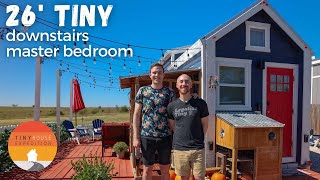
<point>32,146</point>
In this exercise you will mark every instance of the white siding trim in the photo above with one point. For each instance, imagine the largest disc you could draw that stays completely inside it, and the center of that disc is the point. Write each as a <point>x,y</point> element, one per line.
<point>295,68</point>
<point>209,95</point>
<point>306,106</point>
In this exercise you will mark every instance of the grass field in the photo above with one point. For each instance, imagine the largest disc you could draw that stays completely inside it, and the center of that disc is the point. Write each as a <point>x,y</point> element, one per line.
<point>17,115</point>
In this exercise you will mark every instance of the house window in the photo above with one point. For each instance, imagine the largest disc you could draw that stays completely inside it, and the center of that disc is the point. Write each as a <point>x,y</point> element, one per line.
<point>257,36</point>
<point>234,92</point>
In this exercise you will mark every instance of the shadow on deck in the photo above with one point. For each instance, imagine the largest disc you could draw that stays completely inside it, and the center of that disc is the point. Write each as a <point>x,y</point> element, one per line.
<point>61,167</point>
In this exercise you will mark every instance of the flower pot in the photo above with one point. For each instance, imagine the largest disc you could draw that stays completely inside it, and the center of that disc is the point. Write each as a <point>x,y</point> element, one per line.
<point>120,155</point>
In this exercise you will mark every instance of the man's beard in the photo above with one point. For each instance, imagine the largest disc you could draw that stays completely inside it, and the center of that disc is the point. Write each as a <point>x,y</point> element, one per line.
<point>186,91</point>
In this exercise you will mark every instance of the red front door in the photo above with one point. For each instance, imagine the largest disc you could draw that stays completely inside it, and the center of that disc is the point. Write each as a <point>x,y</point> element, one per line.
<point>279,102</point>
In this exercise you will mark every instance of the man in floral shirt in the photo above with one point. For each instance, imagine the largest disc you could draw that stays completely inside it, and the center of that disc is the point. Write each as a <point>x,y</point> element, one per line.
<point>151,103</point>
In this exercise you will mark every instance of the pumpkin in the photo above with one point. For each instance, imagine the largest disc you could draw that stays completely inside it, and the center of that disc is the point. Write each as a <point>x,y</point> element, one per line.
<point>218,176</point>
<point>172,174</point>
<point>178,178</point>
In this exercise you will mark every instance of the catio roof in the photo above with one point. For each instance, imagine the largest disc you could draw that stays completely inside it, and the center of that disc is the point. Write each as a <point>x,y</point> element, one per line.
<point>247,119</point>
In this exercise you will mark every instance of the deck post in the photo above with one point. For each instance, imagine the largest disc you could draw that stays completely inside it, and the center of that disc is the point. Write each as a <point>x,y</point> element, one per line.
<point>71,100</point>
<point>58,106</point>
<point>37,89</point>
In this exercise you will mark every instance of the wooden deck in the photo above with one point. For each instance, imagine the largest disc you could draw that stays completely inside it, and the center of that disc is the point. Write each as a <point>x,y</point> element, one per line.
<point>61,167</point>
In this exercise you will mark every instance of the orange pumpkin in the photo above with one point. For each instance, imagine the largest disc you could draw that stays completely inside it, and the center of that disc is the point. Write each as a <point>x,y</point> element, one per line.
<point>178,178</point>
<point>218,176</point>
<point>172,174</point>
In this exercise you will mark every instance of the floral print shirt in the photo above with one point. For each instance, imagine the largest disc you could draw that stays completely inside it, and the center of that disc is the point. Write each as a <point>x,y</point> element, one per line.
<point>154,102</point>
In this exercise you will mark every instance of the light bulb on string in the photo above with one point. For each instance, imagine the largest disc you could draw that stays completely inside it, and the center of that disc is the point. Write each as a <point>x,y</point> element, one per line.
<point>139,62</point>
<point>130,72</point>
<point>124,66</point>
<point>74,45</point>
<point>94,61</point>
<point>85,44</point>
<point>24,28</point>
<point>188,53</point>
<point>84,62</point>
<point>162,55</point>
<point>128,51</point>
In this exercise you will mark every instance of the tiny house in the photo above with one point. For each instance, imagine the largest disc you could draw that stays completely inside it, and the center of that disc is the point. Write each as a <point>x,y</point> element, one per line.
<point>255,62</point>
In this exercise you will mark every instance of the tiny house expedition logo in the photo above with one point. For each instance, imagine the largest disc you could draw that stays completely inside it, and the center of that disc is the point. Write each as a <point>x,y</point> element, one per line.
<point>32,146</point>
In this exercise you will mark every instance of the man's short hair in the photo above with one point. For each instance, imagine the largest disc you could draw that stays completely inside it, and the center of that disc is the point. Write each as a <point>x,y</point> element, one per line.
<point>156,64</point>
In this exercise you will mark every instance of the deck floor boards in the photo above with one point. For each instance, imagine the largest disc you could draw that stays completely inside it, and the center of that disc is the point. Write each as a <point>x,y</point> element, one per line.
<point>61,167</point>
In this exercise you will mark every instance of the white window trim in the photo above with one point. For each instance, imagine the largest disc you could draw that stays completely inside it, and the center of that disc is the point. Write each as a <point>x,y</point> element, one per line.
<point>262,26</point>
<point>232,62</point>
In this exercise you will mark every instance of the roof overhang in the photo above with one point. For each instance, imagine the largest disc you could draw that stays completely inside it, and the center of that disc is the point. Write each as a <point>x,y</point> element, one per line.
<point>128,81</point>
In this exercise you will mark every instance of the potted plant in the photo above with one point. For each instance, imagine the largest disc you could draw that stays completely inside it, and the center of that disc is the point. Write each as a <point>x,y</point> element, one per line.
<point>120,148</point>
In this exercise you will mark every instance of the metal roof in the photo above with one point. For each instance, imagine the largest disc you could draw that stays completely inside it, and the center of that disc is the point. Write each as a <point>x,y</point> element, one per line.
<point>247,119</point>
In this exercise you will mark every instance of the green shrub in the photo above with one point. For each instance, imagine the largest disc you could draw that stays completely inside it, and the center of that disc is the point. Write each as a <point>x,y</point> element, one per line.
<point>54,113</point>
<point>92,168</point>
<point>120,147</point>
<point>124,109</point>
<point>94,111</point>
<point>6,162</point>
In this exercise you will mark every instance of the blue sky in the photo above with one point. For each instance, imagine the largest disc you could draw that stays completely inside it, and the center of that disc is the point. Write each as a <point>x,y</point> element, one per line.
<point>160,24</point>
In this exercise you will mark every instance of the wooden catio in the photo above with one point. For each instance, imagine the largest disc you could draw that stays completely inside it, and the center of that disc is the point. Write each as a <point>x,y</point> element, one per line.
<point>252,143</point>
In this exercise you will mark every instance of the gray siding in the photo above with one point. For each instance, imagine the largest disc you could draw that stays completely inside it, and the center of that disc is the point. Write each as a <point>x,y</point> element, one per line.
<point>315,91</point>
<point>316,70</point>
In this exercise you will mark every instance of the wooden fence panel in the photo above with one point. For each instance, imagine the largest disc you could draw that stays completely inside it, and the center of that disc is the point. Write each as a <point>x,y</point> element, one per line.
<point>315,118</point>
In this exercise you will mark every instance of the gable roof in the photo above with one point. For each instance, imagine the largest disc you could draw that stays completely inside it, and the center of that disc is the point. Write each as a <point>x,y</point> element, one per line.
<point>240,18</point>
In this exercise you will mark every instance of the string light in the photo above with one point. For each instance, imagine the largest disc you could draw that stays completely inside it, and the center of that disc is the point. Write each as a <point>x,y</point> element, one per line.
<point>74,45</point>
<point>139,62</point>
<point>138,46</point>
<point>24,28</point>
<point>84,62</point>
<point>128,51</point>
<point>130,72</point>
<point>124,65</point>
<point>85,44</point>
<point>94,61</point>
